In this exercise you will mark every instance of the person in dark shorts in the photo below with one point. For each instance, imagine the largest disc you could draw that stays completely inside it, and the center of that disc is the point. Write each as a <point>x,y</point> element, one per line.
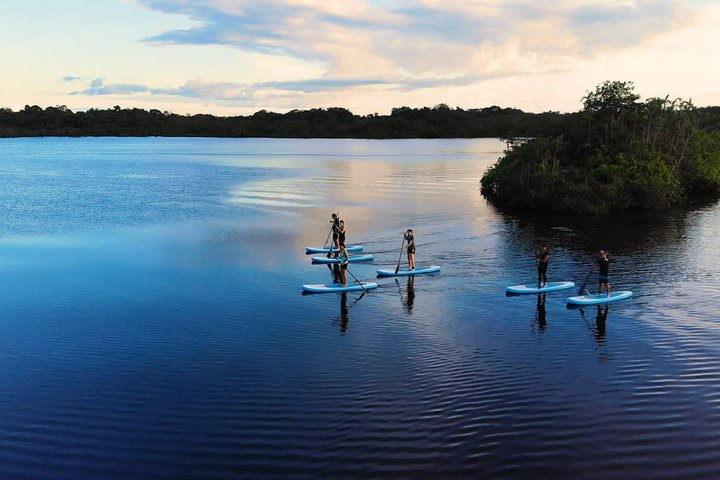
<point>335,232</point>
<point>341,231</point>
<point>344,260</point>
<point>410,239</point>
<point>603,263</point>
<point>543,259</point>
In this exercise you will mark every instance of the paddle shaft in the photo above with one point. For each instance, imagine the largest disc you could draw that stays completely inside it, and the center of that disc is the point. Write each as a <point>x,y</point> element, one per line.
<point>582,289</point>
<point>330,232</point>
<point>328,238</point>
<point>397,269</point>
<point>358,281</point>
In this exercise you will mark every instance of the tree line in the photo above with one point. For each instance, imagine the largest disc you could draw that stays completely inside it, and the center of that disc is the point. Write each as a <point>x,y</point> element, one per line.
<point>440,121</point>
<point>617,154</point>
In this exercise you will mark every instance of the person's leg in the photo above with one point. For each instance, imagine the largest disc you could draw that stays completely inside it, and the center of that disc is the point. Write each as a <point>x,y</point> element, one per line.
<point>411,260</point>
<point>343,276</point>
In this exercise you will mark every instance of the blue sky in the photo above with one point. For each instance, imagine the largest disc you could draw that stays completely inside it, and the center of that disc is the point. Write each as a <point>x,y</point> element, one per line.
<point>230,57</point>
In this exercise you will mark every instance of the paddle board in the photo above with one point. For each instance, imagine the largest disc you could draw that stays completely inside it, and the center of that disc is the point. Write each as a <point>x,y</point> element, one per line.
<point>349,248</point>
<point>359,258</point>
<point>599,298</point>
<point>416,271</point>
<point>335,287</point>
<point>533,288</point>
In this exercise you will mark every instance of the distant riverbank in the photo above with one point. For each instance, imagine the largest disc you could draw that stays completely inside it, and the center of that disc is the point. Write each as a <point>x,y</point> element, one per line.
<point>440,121</point>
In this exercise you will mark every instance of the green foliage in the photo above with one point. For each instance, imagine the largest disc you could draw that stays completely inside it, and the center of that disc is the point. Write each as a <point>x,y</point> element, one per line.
<point>440,121</point>
<point>617,154</point>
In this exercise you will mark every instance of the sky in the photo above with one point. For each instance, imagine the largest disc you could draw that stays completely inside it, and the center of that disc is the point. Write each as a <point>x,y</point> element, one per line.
<point>235,57</point>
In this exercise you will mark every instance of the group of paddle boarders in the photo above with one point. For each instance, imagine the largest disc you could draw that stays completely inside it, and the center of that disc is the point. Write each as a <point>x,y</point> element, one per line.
<point>338,256</point>
<point>340,252</point>
<point>602,263</point>
<point>338,235</point>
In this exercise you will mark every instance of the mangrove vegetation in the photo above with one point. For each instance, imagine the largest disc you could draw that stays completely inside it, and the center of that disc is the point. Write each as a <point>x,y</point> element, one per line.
<point>617,154</point>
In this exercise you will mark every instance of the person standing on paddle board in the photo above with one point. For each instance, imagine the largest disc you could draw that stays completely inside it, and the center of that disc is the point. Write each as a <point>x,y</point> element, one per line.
<point>341,231</point>
<point>344,260</point>
<point>335,231</point>
<point>543,260</point>
<point>410,239</point>
<point>603,263</point>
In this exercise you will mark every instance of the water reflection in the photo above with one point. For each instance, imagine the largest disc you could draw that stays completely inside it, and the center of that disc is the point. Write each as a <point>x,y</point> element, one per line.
<point>597,330</point>
<point>408,297</point>
<point>540,313</point>
<point>343,320</point>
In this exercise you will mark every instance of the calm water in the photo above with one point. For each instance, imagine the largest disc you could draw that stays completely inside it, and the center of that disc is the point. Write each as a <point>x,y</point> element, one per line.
<point>153,324</point>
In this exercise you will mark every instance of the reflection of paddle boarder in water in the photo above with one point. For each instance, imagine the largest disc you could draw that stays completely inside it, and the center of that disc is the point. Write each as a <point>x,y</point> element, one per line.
<point>344,313</point>
<point>600,323</point>
<point>540,316</point>
<point>410,302</point>
<point>334,271</point>
<point>543,259</point>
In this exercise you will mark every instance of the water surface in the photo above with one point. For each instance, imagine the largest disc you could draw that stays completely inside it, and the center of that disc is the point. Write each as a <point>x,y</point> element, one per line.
<point>153,324</point>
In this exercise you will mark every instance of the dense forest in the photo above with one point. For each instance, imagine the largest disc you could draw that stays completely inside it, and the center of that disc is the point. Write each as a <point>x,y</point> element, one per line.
<point>617,154</point>
<point>438,122</point>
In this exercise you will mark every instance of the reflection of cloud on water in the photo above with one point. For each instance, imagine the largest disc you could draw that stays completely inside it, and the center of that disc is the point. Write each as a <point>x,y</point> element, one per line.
<point>406,183</point>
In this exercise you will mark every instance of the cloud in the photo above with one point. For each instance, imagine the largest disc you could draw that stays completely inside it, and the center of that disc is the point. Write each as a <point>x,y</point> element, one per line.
<point>405,33</point>
<point>71,78</point>
<point>98,87</point>
<point>400,46</point>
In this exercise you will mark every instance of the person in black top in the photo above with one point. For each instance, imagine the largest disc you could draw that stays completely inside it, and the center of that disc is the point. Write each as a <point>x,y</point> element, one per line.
<point>603,263</point>
<point>543,259</point>
<point>341,231</point>
<point>335,231</point>
<point>410,239</point>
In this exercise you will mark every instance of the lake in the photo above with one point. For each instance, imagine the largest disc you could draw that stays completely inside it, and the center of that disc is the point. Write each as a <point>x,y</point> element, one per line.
<point>153,324</point>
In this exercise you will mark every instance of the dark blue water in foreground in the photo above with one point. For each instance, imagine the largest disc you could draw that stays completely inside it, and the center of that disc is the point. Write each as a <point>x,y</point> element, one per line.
<point>153,326</point>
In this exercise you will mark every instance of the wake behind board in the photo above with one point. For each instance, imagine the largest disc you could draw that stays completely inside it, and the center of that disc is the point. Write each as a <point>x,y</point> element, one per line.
<point>599,298</point>
<point>359,258</point>
<point>349,248</point>
<point>335,287</point>
<point>533,288</point>
<point>416,271</point>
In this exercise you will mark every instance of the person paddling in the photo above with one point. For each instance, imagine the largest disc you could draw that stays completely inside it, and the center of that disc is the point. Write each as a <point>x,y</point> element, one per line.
<point>344,259</point>
<point>543,259</point>
<point>410,239</point>
<point>335,231</point>
<point>603,263</point>
<point>341,231</point>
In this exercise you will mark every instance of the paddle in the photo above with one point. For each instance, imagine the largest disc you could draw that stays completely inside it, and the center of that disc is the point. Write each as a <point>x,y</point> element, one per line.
<point>337,215</point>
<point>358,281</point>
<point>582,289</point>
<point>328,238</point>
<point>397,269</point>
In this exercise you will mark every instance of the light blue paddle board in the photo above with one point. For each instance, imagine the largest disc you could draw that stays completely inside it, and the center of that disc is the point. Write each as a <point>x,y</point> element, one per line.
<point>359,258</point>
<point>533,288</point>
<point>599,298</point>
<point>416,271</point>
<point>349,248</point>
<point>335,287</point>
